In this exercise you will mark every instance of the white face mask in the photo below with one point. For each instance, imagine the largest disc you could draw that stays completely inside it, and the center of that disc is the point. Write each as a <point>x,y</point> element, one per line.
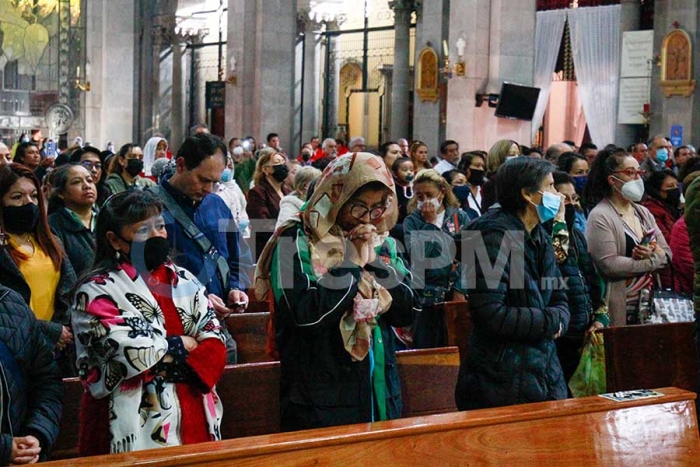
<point>434,201</point>
<point>633,190</point>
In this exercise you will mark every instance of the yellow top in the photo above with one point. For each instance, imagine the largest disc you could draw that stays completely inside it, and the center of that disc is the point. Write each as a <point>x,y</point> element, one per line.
<point>42,278</point>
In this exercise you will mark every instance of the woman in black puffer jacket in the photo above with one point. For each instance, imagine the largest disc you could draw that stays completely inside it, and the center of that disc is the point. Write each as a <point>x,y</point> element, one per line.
<point>517,301</point>
<point>30,379</point>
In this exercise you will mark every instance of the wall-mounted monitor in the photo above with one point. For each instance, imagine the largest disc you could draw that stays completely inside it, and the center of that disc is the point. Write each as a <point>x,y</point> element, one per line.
<point>517,101</point>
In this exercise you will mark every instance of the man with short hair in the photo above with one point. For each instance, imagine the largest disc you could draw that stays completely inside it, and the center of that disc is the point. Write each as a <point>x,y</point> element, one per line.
<point>357,144</point>
<point>589,151</point>
<point>314,143</point>
<point>660,151</point>
<point>403,144</point>
<point>556,150</point>
<point>639,151</point>
<point>449,151</point>
<point>693,151</point>
<point>202,233</point>
<point>680,157</point>
<point>199,129</point>
<point>273,141</point>
<point>328,149</point>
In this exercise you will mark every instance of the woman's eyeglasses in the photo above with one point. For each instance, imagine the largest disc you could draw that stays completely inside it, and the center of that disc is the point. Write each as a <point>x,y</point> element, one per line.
<point>91,165</point>
<point>358,211</point>
<point>631,172</point>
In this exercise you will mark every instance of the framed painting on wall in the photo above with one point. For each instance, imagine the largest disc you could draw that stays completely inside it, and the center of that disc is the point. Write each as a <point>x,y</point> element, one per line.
<point>676,64</point>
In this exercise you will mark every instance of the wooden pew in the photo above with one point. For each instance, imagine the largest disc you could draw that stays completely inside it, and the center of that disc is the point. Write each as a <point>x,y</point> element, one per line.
<point>428,378</point>
<point>258,307</point>
<point>249,330</point>
<point>250,395</point>
<point>66,445</point>
<point>651,355</point>
<point>590,431</point>
<point>458,320</point>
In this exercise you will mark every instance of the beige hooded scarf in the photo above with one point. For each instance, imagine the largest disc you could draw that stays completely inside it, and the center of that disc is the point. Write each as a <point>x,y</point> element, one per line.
<point>341,179</point>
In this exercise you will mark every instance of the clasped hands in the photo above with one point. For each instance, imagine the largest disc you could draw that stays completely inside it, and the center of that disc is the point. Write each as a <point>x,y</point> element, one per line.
<point>642,252</point>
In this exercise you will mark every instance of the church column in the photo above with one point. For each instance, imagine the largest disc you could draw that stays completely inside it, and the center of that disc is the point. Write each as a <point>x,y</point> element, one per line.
<point>401,76</point>
<point>262,40</point>
<point>111,51</point>
<point>675,110</point>
<point>311,75</point>
<point>161,78</point>
<point>431,28</point>
<point>197,111</point>
<point>331,83</point>
<point>178,127</point>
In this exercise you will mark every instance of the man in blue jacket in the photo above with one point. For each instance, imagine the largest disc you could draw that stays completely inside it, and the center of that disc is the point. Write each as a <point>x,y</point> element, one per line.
<point>203,236</point>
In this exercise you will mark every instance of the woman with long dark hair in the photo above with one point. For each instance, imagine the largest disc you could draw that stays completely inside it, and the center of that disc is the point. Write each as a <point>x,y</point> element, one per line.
<point>149,347</point>
<point>73,213</point>
<point>32,261</point>
<point>623,237</point>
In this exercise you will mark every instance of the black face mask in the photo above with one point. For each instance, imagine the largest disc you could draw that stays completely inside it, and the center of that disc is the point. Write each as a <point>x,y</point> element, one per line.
<point>673,197</point>
<point>570,215</point>
<point>306,156</point>
<point>20,219</point>
<point>476,177</point>
<point>280,172</point>
<point>148,255</point>
<point>134,166</point>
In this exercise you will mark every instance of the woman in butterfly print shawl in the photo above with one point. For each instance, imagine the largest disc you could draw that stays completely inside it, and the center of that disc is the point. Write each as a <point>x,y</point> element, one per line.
<point>149,346</point>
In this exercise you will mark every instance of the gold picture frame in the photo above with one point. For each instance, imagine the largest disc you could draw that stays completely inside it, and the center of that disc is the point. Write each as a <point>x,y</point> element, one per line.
<point>677,64</point>
<point>428,79</point>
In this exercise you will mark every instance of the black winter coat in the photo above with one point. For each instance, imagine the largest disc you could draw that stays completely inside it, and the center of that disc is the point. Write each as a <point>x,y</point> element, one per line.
<point>512,358</point>
<point>321,385</point>
<point>36,407</point>
<point>78,240</point>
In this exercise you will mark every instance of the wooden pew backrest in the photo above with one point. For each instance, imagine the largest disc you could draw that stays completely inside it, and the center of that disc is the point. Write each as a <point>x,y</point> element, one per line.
<point>250,395</point>
<point>650,356</point>
<point>428,380</point>
<point>458,320</point>
<point>66,445</point>
<point>249,330</point>
<point>590,431</point>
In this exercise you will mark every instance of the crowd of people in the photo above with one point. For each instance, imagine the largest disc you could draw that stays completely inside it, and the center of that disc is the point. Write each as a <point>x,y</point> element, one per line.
<point>121,268</point>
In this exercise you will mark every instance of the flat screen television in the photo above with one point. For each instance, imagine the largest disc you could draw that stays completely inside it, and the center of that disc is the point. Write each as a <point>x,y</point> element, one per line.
<point>517,101</point>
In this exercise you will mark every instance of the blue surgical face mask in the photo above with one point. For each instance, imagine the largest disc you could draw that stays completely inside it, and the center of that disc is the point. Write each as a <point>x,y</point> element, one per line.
<point>662,155</point>
<point>461,192</point>
<point>549,207</point>
<point>226,175</point>
<point>580,183</point>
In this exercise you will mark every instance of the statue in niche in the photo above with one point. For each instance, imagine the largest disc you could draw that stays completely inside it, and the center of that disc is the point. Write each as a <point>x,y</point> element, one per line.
<point>427,82</point>
<point>676,64</point>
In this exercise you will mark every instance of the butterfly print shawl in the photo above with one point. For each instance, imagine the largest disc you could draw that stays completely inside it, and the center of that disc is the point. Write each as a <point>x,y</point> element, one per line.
<point>120,334</point>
